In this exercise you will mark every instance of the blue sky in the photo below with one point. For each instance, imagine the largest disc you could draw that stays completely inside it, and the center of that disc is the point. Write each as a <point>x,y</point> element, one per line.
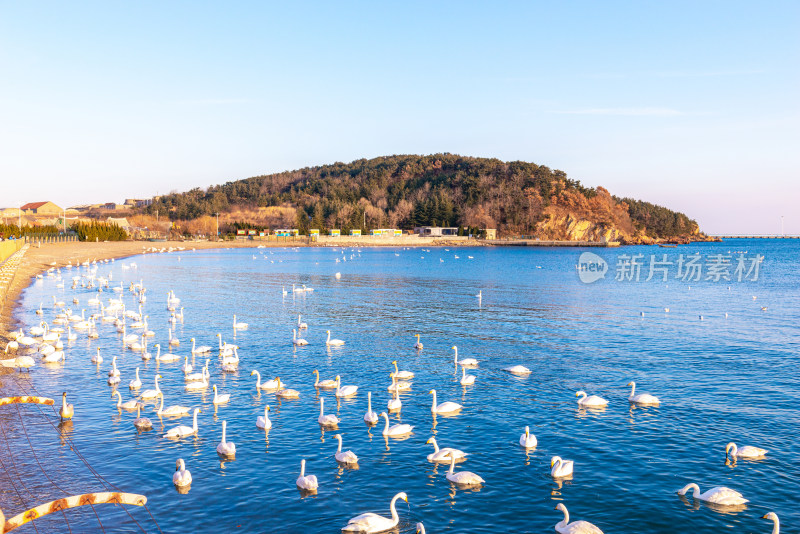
<point>690,105</point>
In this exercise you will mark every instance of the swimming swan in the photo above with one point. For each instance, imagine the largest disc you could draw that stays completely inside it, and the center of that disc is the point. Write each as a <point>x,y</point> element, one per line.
<point>776,524</point>
<point>418,344</point>
<point>527,439</point>
<point>183,430</point>
<point>326,420</point>
<point>286,393</point>
<point>151,393</point>
<point>344,391</point>
<point>298,340</point>
<point>264,422</point>
<point>301,326</point>
<point>269,384</point>
<point>129,406</point>
<point>747,451</point>
<point>136,383</point>
<point>518,370</point>
<point>181,477</point>
<point>370,417</point>
<point>346,457</point>
<point>466,380</point>
<point>171,410</point>
<point>469,362</point>
<point>201,349</point>
<point>576,527</point>
<point>592,401</point>
<point>239,326</point>
<point>226,448</point>
<point>444,454</point>
<point>394,404</point>
<point>560,468</point>
<point>400,375</point>
<point>113,371</point>
<point>445,407</point>
<point>220,399</point>
<point>395,430</point>
<point>333,342</point>
<point>720,495</point>
<point>306,482</point>
<point>67,410</point>
<point>142,423</point>
<point>324,384</point>
<point>642,398</point>
<point>371,523</point>
<point>462,478</point>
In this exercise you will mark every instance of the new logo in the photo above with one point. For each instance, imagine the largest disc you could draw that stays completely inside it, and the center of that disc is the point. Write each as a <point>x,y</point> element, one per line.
<point>591,267</point>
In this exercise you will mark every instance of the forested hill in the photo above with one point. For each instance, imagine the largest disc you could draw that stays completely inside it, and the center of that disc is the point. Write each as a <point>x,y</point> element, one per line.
<point>517,198</point>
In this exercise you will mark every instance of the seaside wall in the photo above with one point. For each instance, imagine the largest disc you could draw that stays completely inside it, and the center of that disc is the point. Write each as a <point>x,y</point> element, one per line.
<point>7,248</point>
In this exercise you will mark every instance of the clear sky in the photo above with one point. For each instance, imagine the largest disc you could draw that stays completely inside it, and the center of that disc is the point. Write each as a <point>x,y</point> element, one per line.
<point>691,105</point>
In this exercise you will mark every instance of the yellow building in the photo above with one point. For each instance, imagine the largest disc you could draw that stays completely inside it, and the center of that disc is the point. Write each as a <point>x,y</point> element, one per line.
<point>46,208</point>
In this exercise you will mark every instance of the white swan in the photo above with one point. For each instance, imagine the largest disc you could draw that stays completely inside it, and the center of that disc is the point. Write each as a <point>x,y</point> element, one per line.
<point>394,404</point>
<point>67,410</point>
<point>142,423</point>
<point>396,387</point>
<point>167,357</point>
<point>592,401</point>
<point>202,349</point>
<point>560,468</point>
<point>344,391</point>
<point>171,410</point>
<point>324,384</point>
<point>220,399</point>
<point>186,367</point>
<point>469,362</point>
<point>226,448</point>
<point>418,344</point>
<point>97,358</point>
<point>326,420</point>
<point>181,477</point>
<point>269,384</point>
<point>301,326</point>
<point>333,342</point>
<point>298,340</point>
<point>371,523</point>
<point>641,398</point>
<point>346,457</point>
<point>401,375</point>
<point>445,407</point>
<point>195,377</point>
<point>183,430</point>
<point>173,341</point>
<point>285,392</point>
<point>129,405</point>
<point>576,527</point>
<point>466,380</point>
<point>720,495</point>
<point>56,356</point>
<point>306,482</point>
<point>370,417</point>
<point>239,325</point>
<point>527,439</point>
<point>151,393</point>
<point>202,384</point>
<point>518,370</point>
<point>395,430</point>
<point>113,380</point>
<point>748,451</point>
<point>776,524</point>
<point>444,454</point>
<point>113,371</point>
<point>264,422</point>
<point>462,478</point>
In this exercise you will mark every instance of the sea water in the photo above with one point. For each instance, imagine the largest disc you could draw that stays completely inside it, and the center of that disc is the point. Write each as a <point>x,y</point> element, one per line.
<point>724,369</point>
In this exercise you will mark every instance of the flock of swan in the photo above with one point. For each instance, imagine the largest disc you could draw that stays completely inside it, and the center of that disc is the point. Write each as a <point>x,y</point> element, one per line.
<point>46,340</point>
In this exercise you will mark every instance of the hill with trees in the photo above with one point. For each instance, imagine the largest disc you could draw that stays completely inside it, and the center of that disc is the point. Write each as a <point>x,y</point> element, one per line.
<point>404,191</point>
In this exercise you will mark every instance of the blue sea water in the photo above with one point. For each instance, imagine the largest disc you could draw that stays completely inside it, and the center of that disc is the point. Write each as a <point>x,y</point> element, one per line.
<point>730,375</point>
